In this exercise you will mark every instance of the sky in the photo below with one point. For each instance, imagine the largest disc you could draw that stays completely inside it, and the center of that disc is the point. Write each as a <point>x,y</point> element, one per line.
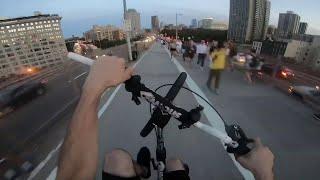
<point>80,15</point>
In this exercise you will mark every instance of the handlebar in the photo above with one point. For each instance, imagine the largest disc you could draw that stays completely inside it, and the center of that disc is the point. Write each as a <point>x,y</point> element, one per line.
<point>158,115</point>
<point>165,109</point>
<point>235,140</point>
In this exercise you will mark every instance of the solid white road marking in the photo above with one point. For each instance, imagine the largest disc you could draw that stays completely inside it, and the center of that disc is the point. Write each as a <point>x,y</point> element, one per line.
<point>44,162</point>
<point>53,173</point>
<point>77,77</point>
<point>211,115</point>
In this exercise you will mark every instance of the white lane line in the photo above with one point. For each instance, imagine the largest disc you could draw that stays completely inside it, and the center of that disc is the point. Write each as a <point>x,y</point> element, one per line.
<point>211,115</point>
<point>53,173</point>
<point>44,162</point>
<point>77,77</point>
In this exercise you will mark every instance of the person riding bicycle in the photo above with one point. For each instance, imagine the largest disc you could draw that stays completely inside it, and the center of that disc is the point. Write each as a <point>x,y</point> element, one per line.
<point>79,154</point>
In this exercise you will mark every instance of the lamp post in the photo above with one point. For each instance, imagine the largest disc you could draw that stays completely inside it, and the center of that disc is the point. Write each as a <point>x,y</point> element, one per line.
<point>177,24</point>
<point>127,30</point>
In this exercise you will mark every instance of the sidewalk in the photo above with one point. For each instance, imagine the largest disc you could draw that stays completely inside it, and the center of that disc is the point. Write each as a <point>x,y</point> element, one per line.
<point>283,123</point>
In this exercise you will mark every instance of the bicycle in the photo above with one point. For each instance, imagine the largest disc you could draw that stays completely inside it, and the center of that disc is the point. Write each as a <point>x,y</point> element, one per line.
<point>234,139</point>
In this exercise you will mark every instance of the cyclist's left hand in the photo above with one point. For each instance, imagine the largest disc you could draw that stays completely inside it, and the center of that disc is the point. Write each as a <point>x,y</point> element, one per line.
<point>106,71</point>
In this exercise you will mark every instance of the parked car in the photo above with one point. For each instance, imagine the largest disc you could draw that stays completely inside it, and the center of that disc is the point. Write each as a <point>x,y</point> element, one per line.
<point>306,93</point>
<point>282,72</point>
<point>16,95</point>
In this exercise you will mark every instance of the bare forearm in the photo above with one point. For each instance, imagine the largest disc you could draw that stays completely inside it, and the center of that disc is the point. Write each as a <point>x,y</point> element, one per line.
<point>79,154</point>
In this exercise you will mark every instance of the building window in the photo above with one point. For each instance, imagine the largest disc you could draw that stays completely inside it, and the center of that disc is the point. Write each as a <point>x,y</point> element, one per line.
<point>10,54</point>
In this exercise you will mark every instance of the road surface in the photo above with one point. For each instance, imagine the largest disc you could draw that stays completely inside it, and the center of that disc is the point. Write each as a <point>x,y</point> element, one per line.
<point>283,123</point>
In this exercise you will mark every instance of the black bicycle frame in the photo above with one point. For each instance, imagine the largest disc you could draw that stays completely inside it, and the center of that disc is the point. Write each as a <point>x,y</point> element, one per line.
<point>160,153</point>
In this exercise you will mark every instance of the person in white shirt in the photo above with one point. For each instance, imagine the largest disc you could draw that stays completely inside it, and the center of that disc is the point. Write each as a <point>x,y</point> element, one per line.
<point>179,46</point>
<point>202,51</point>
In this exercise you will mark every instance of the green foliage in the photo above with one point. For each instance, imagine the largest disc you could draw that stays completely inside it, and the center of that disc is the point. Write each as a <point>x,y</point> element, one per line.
<point>104,44</point>
<point>198,34</point>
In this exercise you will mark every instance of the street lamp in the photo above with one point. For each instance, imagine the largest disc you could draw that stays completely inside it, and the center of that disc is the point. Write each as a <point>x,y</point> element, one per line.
<point>177,24</point>
<point>127,30</point>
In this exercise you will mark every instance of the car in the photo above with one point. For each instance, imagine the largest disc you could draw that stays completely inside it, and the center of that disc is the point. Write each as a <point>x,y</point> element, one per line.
<point>16,95</point>
<point>306,93</point>
<point>282,72</point>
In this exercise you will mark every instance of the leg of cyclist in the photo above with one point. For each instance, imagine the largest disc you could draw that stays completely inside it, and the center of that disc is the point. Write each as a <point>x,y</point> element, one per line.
<point>176,169</point>
<point>119,165</point>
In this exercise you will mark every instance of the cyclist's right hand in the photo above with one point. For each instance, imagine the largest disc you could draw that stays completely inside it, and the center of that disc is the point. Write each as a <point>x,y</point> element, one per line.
<point>259,161</point>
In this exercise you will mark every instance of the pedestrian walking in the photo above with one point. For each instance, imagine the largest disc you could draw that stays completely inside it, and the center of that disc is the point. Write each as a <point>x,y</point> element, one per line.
<point>179,46</point>
<point>202,51</point>
<point>232,53</point>
<point>190,51</point>
<point>173,47</point>
<point>217,66</point>
<point>251,64</point>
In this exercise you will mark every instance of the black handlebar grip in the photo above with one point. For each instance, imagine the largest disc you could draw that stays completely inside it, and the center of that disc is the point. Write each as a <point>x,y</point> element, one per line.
<point>174,90</point>
<point>157,115</point>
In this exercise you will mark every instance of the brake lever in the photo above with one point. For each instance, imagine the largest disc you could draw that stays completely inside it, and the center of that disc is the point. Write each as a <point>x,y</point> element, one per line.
<point>237,134</point>
<point>133,85</point>
<point>193,117</point>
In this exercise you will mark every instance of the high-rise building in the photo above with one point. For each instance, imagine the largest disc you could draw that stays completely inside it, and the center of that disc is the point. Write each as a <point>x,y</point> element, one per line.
<point>303,28</point>
<point>288,25</point>
<point>134,17</point>
<point>98,33</point>
<point>161,25</point>
<point>194,23</point>
<point>155,25</point>
<point>248,20</point>
<point>33,41</point>
<point>206,23</point>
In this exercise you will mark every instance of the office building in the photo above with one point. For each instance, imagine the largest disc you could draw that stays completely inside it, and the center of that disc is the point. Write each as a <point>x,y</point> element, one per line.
<point>134,18</point>
<point>288,25</point>
<point>155,25</point>
<point>310,54</point>
<point>206,23</point>
<point>248,20</point>
<point>33,41</point>
<point>194,23</point>
<point>303,28</point>
<point>98,33</point>
<point>221,26</point>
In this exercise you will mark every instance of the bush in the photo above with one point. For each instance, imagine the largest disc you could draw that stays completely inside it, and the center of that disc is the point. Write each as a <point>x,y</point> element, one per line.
<point>198,34</point>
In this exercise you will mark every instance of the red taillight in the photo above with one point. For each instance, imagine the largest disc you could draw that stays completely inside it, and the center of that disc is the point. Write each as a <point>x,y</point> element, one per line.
<point>284,74</point>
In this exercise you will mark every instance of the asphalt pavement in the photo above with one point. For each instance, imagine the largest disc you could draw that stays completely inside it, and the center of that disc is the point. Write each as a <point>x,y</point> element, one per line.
<point>282,122</point>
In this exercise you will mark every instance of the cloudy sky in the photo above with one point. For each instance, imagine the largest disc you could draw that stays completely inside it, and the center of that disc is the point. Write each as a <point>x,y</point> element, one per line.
<point>80,15</point>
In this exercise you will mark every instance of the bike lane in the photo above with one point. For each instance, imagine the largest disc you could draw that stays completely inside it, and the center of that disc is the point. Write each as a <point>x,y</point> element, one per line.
<point>123,120</point>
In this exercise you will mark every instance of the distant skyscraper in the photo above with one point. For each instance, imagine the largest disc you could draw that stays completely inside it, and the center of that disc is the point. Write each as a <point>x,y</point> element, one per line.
<point>303,28</point>
<point>194,23</point>
<point>155,23</point>
<point>161,25</point>
<point>248,20</point>
<point>288,24</point>
<point>134,17</point>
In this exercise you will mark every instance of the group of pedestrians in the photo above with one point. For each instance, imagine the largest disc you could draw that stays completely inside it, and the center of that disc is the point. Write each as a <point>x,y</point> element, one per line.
<point>221,55</point>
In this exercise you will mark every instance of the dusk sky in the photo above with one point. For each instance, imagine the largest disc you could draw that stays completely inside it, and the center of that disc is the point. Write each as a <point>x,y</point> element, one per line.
<point>80,15</point>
